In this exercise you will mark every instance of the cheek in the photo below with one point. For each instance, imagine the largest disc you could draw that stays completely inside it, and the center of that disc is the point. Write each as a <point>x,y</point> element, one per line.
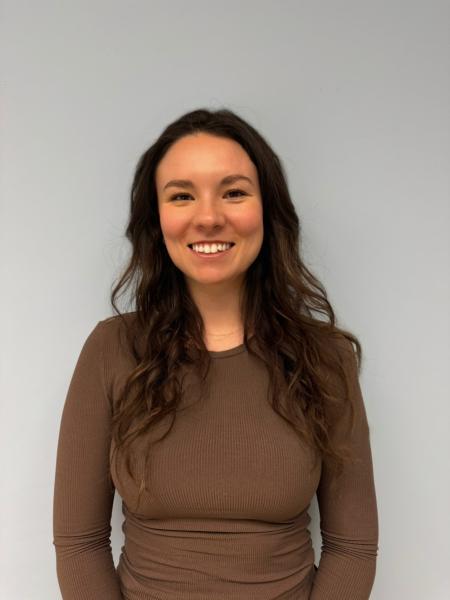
<point>249,222</point>
<point>172,225</point>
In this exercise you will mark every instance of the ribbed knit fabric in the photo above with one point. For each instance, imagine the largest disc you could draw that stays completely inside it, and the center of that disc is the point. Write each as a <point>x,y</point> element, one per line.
<point>225,511</point>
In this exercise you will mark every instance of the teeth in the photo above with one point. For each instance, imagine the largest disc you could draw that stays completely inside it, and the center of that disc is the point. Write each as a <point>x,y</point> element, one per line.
<point>210,248</point>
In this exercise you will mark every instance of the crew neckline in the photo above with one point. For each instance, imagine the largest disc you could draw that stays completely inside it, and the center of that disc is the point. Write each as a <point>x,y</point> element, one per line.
<point>230,352</point>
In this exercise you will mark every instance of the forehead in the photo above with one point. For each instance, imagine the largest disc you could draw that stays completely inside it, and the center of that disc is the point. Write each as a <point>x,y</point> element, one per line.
<point>203,157</point>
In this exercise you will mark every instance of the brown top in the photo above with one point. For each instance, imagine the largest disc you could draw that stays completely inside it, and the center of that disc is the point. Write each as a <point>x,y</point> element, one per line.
<point>225,512</point>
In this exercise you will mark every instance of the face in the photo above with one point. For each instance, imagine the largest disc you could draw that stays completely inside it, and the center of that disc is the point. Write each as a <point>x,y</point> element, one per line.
<point>210,209</point>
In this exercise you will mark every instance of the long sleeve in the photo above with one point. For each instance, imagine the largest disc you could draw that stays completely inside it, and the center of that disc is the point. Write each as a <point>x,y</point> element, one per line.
<point>83,491</point>
<point>348,511</point>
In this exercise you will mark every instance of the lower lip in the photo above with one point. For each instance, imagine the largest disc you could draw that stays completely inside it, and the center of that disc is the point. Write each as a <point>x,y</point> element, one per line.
<point>211,256</point>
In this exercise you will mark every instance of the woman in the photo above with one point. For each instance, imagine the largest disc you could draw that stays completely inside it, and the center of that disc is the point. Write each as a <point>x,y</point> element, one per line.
<point>221,404</point>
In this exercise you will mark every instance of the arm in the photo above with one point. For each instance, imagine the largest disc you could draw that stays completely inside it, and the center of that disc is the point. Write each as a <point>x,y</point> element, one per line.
<point>348,512</point>
<point>83,492</point>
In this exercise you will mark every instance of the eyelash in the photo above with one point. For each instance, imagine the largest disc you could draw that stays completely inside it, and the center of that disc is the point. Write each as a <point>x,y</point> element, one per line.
<point>229,192</point>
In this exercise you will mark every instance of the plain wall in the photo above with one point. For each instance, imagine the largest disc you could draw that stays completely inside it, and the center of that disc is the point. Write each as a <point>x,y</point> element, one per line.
<point>354,97</point>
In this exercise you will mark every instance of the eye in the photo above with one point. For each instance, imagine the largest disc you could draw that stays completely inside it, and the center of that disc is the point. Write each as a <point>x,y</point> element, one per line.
<point>184,196</point>
<point>177,196</point>
<point>237,191</point>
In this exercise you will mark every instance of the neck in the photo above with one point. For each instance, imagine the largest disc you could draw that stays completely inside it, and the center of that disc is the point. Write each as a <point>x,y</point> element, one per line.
<point>219,307</point>
<point>224,334</point>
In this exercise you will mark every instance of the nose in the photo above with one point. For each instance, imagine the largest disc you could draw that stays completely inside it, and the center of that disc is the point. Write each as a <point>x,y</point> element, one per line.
<point>208,214</point>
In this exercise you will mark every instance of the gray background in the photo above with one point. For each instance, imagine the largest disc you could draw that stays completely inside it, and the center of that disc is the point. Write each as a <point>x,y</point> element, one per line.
<point>354,98</point>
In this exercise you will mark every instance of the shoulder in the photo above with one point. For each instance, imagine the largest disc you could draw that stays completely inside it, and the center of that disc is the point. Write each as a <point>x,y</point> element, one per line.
<point>341,367</point>
<point>111,333</point>
<point>116,324</point>
<point>114,347</point>
<point>345,351</point>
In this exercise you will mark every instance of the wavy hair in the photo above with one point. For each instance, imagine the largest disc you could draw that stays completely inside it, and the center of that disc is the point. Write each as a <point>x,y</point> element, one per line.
<point>287,318</point>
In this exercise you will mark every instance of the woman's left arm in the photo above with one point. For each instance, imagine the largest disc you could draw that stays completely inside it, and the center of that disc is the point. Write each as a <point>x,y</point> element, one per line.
<point>348,511</point>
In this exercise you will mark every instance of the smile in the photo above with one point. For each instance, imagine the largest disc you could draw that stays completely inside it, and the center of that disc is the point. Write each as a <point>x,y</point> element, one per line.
<point>211,255</point>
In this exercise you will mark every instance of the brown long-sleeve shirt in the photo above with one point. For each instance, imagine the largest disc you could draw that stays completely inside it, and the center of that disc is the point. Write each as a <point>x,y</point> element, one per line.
<point>225,512</point>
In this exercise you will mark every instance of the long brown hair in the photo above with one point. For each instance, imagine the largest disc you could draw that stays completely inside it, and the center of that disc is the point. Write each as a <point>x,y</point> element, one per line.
<point>287,318</point>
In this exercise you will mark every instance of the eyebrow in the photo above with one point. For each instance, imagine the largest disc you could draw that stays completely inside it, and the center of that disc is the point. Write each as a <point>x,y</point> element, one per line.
<point>186,183</point>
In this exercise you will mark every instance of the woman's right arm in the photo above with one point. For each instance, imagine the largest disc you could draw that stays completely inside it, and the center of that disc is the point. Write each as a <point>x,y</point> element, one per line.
<point>83,492</point>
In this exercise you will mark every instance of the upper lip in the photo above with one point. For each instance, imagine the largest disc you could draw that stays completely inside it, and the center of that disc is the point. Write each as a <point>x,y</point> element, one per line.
<point>211,242</point>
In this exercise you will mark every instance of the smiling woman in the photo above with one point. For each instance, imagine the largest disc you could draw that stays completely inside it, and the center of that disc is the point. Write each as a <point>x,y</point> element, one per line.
<point>208,165</point>
<point>222,403</point>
